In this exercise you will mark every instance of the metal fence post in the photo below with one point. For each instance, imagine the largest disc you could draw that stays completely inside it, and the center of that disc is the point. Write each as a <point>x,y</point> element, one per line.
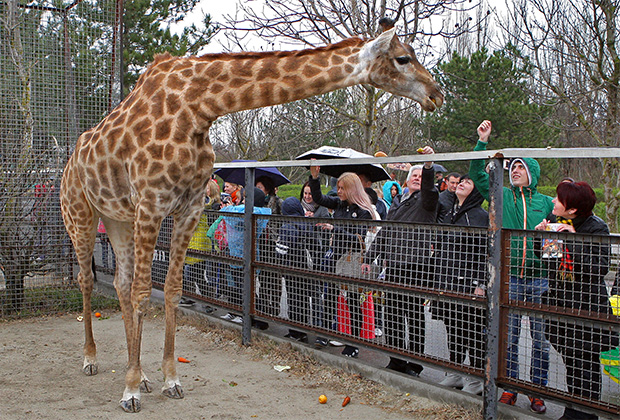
<point>248,244</point>
<point>496,177</point>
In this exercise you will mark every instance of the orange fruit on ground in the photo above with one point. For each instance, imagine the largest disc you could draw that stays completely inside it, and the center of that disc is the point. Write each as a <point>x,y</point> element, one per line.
<point>322,399</point>
<point>97,314</point>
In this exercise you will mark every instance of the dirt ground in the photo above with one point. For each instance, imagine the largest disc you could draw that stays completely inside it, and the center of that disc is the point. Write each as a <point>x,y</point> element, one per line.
<point>41,360</point>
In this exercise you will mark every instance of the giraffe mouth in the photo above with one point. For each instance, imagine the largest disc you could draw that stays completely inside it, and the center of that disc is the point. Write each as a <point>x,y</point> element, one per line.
<point>433,103</point>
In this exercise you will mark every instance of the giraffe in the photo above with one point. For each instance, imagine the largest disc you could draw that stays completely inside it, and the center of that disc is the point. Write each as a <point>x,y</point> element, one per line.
<point>151,157</point>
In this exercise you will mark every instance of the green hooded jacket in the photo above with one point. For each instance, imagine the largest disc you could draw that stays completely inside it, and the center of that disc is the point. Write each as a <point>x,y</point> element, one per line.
<point>524,208</point>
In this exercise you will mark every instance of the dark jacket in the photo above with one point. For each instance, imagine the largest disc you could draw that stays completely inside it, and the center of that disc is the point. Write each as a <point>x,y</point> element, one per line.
<point>408,246</point>
<point>297,242</point>
<point>585,289</point>
<point>463,252</point>
<point>345,236</point>
<point>590,260</point>
<point>446,201</point>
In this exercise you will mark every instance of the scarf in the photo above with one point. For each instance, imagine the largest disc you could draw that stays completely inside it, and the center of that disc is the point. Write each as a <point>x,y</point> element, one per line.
<point>565,269</point>
<point>309,206</point>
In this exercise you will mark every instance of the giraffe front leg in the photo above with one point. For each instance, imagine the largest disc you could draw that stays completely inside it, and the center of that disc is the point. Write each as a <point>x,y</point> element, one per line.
<point>184,226</point>
<point>130,402</point>
<point>172,385</point>
<point>121,238</point>
<point>146,227</point>
<point>172,294</point>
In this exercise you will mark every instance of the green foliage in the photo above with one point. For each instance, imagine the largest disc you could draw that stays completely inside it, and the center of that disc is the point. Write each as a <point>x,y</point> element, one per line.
<point>49,300</point>
<point>293,190</point>
<point>148,32</point>
<point>492,87</point>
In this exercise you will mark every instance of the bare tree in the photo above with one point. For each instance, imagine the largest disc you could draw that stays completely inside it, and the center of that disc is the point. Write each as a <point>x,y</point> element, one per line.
<point>573,45</point>
<point>288,24</point>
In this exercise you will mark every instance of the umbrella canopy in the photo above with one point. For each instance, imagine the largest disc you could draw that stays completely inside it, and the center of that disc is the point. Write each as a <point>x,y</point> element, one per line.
<point>237,175</point>
<point>439,168</point>
<point>374,171</point>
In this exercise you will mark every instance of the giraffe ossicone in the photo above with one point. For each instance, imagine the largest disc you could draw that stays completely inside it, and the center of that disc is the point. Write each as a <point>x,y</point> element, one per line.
<point>151,157</point>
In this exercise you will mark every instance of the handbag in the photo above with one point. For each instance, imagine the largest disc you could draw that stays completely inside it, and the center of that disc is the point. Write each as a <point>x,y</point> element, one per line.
<point>350,264</point>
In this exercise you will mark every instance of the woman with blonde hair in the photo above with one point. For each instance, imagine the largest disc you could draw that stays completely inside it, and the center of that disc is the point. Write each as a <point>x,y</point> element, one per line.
<point>351,202</point>
<point>214,196</point>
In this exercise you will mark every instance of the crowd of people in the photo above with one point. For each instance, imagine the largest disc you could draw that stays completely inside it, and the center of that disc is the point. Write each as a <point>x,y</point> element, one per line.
<point>450,259</point>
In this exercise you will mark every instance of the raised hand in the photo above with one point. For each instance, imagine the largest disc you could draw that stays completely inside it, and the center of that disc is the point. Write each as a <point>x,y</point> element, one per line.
<point>484,130</point>
<point>314,170</point>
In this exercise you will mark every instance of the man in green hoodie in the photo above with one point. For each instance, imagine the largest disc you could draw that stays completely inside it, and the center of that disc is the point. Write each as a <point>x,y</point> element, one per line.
<point>524,208</point>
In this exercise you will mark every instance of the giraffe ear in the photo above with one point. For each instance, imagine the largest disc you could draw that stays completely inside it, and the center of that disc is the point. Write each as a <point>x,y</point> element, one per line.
<point>381,44</point>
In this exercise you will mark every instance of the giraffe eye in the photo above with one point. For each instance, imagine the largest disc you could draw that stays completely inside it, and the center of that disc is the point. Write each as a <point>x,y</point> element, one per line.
<point>405,59</point>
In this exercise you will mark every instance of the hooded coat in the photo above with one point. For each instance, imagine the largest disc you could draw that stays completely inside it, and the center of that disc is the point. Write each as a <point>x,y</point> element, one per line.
<point>446,201</point>
<point>524,208</point>
<point>463,251</point>
<point>387,191</point>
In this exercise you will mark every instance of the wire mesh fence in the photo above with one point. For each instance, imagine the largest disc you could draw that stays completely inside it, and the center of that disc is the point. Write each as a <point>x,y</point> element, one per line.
<point>59,78</point>
<point>562,288</point>
<point>419,293</point>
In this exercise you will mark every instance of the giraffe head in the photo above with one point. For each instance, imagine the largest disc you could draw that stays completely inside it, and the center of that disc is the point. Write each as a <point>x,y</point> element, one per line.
<point>393,66</point>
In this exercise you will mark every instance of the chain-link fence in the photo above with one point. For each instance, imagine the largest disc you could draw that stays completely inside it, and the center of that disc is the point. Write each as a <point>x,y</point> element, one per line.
<point>59,62</point>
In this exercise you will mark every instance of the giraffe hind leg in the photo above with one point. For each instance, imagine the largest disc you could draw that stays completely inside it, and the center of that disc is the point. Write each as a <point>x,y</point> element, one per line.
<point>82,233</point>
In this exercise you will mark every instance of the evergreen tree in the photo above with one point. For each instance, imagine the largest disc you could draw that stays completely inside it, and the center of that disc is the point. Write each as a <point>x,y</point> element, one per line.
<point>147,32</point>
<point>493,87</point>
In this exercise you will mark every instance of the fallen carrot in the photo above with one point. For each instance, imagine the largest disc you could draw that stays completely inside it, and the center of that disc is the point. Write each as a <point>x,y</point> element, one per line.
<point>346,401</point>
<point>183,360</point>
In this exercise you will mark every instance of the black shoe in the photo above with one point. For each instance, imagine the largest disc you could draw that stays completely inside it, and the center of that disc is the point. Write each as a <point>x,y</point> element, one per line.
<point>186,302</point>
<point>208,309</point>
<point>261,325</point>
<point>350,351</point>
<point>413,369</point>
<point>572,414</point>
<point>297,335</point>
<point>320,342</point>
<point>397,365</point>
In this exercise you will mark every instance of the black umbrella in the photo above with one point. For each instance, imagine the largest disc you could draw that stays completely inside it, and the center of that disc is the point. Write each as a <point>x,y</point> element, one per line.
<point>373,170</point>
<point>237,175</point>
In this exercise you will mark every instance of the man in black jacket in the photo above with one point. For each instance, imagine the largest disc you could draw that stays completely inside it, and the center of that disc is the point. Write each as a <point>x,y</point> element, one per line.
<point>406,252</point>
<point>447,197</point>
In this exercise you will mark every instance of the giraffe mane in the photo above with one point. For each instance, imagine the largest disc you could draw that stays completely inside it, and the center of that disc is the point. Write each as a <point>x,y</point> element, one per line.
<point>349,42</point>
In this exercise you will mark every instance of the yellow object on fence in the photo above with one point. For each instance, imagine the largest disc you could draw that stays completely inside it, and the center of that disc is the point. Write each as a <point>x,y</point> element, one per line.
<point>611,359</point>
<point>615,304</point>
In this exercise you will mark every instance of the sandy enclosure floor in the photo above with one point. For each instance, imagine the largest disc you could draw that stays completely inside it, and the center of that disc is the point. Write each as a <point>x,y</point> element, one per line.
<point>41,360</point>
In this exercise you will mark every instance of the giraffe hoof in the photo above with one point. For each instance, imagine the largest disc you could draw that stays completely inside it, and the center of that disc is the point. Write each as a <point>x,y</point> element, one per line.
<point>174,391</point>
<point>131,405</point>
<point>90,369</point>
<point>146,386</point>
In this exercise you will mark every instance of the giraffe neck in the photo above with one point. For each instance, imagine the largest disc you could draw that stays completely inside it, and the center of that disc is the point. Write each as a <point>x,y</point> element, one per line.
<point>226,83</point>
